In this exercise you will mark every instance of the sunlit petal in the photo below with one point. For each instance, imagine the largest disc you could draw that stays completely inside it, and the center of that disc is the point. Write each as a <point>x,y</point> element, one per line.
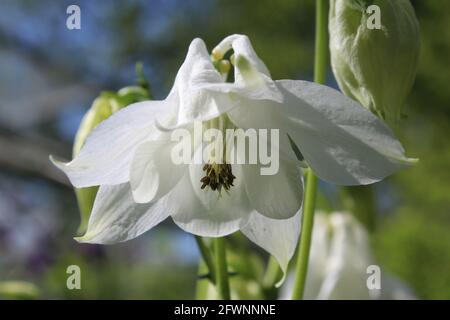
<point>106,155</point>
<point>343,142</point>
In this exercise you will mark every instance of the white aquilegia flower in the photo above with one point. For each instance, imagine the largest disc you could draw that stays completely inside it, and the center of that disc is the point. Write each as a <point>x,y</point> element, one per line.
<point>129,155</point>
<point>342,266</point>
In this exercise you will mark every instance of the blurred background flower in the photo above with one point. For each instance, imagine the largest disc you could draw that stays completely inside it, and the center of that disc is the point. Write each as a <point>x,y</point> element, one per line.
<point>50,75</point>
<point>342,264</point>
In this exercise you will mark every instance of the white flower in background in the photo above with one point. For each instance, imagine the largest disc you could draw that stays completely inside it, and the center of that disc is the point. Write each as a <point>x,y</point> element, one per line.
<point>339,258</point>
<point>129,154</point>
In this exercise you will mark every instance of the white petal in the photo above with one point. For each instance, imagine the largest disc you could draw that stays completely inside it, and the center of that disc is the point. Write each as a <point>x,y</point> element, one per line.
<point>318,256</point>
<point>116,217</point>
<point>255,86</point>
<point>349,255</point>
<point>340,255</point>
<point>241,45</point>
<point>276,196</point>
<point>205,212</point>
<point>262,115</point>
<point>342,141</point>
<point>252,78</point>
<point>278,237</point>
<point>202,94</point>
<point>196,73</point>
<point>106,155</point>
<point>152,172</point>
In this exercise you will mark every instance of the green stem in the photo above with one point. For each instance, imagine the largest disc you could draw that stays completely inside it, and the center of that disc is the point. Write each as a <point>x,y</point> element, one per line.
<point>207,257</point>
<point>320,73</point>
<point>321,49</point>
<point>222,284</point>
<point>305,236</point>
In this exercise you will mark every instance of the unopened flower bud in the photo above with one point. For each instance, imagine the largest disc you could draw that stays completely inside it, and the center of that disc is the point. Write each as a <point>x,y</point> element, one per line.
<point>375,65</point>
<point>102,107</point>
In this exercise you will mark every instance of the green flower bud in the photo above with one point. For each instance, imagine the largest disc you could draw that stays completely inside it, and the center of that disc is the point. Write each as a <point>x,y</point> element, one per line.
<point>102,107</point>
<point>375,62</point>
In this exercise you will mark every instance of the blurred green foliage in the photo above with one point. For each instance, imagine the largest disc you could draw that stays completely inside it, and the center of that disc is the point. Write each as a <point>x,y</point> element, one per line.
<point>119,280</point>
<point>414,240</point>
<point>18,290</point>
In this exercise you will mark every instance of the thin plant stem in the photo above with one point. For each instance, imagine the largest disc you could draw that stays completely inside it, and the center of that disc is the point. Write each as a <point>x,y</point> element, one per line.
<point>222,283</point>
<point>207,257</point>
<point>320,72</point>
<point>305,237</point>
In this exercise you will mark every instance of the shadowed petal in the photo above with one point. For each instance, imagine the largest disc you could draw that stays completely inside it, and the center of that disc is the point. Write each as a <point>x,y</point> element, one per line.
<point>205,212</point>
<point>116,217</point>
<point>276,196</point>
<point>278,237</point>
<point>153,173</point>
